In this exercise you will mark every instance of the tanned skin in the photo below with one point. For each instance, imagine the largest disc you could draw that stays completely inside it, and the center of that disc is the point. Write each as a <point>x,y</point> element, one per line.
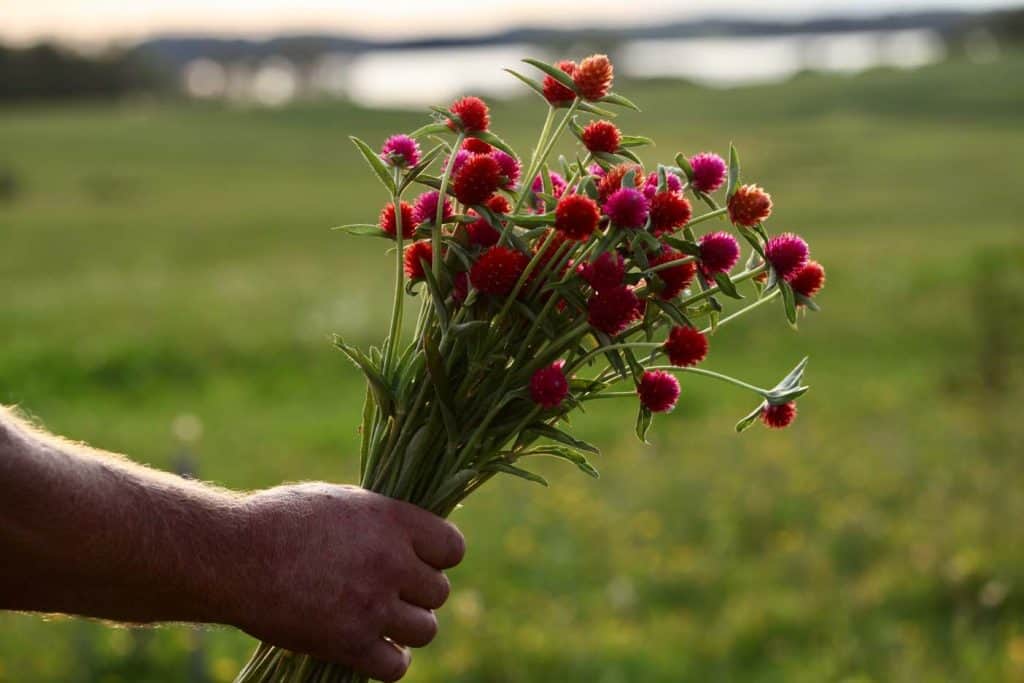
<point>333,571</point>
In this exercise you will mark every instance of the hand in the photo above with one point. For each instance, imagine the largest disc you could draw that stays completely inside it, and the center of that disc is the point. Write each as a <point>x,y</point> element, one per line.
<point>345,575</point>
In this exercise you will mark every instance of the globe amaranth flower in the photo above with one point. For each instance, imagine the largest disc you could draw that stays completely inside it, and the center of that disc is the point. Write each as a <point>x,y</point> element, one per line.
<point>549,386</point>
<point>476,146</point>
<point>778,416</point>
<point>577,216</point>
<point>554,92</point>
<point>604,272</point>
<point>593,77</point>
<point>809,280</point>
<point>473,115</point>
<point>719,252</point>
<point>461,157</point>
<point>400,151</point>
<point>749,206</point>
<point>627,208</point>
<point>387,220</point>
<point>675,278</point>
<point>611,310</point>
<point>477,179</point>
<point>596,170</point>
<point>612,180</point>
<point>672,184</point>
<point>685,346</point>
<point>658,391</point>
<point>787,253</point>
<point>557,188</point>
<point>670,211</point>
<point>497,270</point>
<point>709,171</point>
<point>480,231</point>
<point>601,136</point>
<point>425,209</point>
<point>414,256</point>
<point>510,168</point>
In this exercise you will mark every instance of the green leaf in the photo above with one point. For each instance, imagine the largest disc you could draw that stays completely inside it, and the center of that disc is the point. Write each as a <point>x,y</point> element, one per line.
<point>629,179</point>
<point>614,98</point>
<point>438,299</point>
<point>686,246</point>
<point>734,172</point>
<point>635,141</point>
<point>575,128</point>
<point>553,71</point>
<point>573,456</point>
<point>628,153</point>
<point>375,163</point>
<point>778,397</point>
<point>678,317</point>
<point>807,302</point>
<point>494,141</point>
<point>788,301</point>
<point>589,188</point>
<point>378,385</point>
<point>726,286</point>
<point>435,128</point>
<point>534,220</point>
<point>531,83</point>
<point>745,423</point>
<point>414,173</point>
<point>593,109</point>
<point>644,418</point>
<point>555,434</point>
<point>751,239</point>
<point>684,164</point>
<point>518,472</point>
<point>442,389</point>
<point>794,376</point>
<point>363,229</point>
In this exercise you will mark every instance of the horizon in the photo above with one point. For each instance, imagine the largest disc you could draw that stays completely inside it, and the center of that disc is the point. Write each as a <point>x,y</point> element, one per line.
<point>120,21</point>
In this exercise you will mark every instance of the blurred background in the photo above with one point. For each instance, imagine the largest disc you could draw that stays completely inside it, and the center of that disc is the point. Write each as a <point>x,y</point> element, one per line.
<point>168,175</point>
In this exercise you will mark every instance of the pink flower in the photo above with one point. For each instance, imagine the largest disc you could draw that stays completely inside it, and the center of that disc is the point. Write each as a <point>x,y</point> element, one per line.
<point>787,253</point>
<point>510,167</point>
<point>400,150</point>
<point>627,208</point>
<point>719,252</point>
<point>425,209</point>
<point>548,386</point>
<point>709,171</point>
<point>672,182</point>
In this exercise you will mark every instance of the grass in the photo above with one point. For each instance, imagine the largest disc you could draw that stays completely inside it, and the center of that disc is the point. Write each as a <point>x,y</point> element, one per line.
<point>169,260</point>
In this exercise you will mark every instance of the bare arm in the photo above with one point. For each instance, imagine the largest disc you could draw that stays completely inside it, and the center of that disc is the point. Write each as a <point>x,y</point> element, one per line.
<point>333,571</point>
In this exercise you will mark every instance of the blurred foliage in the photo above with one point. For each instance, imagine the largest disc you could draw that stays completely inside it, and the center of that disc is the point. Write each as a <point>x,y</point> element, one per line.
<point>878,539</point>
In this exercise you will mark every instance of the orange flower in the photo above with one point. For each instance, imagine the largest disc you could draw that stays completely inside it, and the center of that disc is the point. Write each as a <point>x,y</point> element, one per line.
<point>593,77</point>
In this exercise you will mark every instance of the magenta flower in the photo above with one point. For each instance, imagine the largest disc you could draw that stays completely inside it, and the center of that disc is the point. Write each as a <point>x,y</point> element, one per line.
<point>708,171</point>
<point>787,253</point>
<point>672,182</point>
<point>719,252</point>
<point>425,209</point>
<point>401,151</point>
<point>627,208</point>
<point>510,167</point>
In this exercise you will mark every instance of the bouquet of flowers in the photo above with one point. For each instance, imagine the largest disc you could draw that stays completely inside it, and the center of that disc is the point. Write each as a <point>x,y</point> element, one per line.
<point>542,289</point>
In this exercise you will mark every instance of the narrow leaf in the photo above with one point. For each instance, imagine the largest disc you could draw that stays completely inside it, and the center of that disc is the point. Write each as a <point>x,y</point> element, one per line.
<point>734,172</point>
<point>615,98</point>
<point>518,472</point>
<point>375,163</point>
<point>553,71</point>
<point>726,285</point>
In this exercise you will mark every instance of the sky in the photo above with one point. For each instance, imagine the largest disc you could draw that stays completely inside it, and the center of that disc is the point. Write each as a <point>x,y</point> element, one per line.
<point>99,21</point>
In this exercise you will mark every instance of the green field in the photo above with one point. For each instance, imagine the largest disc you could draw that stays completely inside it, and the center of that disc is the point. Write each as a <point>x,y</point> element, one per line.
<point>168,260</point>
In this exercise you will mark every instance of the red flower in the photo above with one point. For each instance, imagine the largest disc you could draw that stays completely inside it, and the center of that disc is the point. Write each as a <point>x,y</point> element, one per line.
<point>605,272</point>
<point>548,386</point>
<point>670,211</point>
<point>612,180</point>
<point>498,270</point>
<point>593,77</point>
<point>719,252</point>
<point>387,220</point>
<point>612,310</point>
<point>476,146</point>
<point>787,253</point>
<point>554,92</point>
<point>576,216</point>
<point>809,280</point>
<point>685,346</point>
<point>676,278</point>
<point>778,416</point>
<point>601,136</point>
<point>658,391</point>
<point>480,231</point>
<point>460,287</point>
<point>415,254</point>
<point>473,113</point>
<point>477,179</point>
<point>749,206</point>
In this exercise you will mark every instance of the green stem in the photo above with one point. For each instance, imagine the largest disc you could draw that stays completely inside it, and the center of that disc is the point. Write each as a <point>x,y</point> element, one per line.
<point>397,305</point>
<point>442,195</point>
<point>710,291</point>
<point>760,302</point>
<point>706,217</point>
<point>527,181</point>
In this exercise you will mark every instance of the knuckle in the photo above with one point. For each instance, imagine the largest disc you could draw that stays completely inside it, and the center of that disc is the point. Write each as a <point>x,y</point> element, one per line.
<point>456,545</point>
<point>442,590</point>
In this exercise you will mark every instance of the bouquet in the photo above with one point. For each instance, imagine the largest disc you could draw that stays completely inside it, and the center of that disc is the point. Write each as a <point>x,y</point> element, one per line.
<point>544,288</point>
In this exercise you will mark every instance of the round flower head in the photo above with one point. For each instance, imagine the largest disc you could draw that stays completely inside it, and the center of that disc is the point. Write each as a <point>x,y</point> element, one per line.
<point>612,310</point>
<point>387,220</point>
<point>425,209</point>
<point>593,77</point>
<point>476,146</point>
<point>676,278</point>
<point>749,206</point>
<point>554,92</point>
<point>719,252</point>
<point>596,170</point>
<point>685,346</point>
<point>627,208</point>
<point>601,136</point>
<point>477,179</point>
<point>709,171</point>
<point>670,211</point>
<point>809,280</point>
<point>510,167</point>
<point>672,184</point>
<point>548,386</point>
<point>557,187</point>
<point>472,112</point>
<point>415,254</point>
<point>461,157</point>
<point>401,151</point>
<point>497,270</point>
<point>611,181</point>
<point>480,231</point>
<point>658,391</point>
<point>576,216</point>
<point>605,272</point>
<point>787,253</point>
<point>778,416</point>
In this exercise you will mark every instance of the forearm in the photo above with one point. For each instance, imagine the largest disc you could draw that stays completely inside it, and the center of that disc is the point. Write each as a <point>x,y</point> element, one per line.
<point>87,532</point>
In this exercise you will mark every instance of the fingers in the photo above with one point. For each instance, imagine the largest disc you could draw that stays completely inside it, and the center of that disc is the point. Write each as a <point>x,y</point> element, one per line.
<point>425,587</point>
<point>383,661</point>
<point>436,541</point>
<point>411,626</point>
